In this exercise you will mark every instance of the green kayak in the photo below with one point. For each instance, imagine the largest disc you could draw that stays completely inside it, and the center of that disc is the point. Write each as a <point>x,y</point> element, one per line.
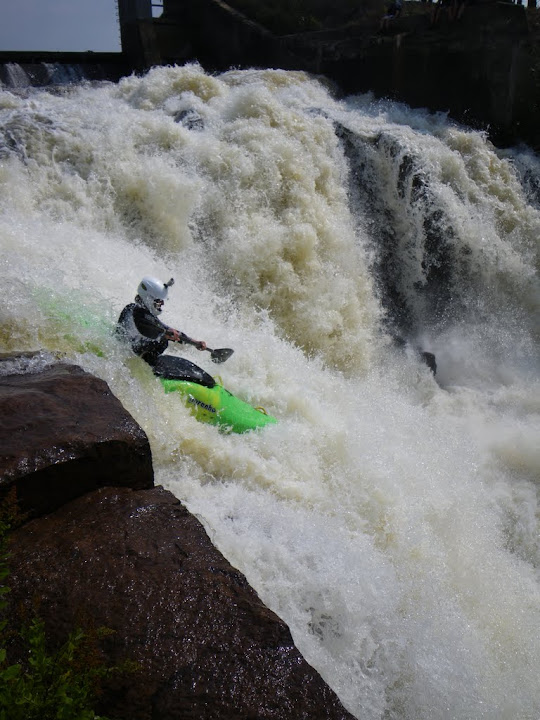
<point>217,406</point>
<point>209,401</point>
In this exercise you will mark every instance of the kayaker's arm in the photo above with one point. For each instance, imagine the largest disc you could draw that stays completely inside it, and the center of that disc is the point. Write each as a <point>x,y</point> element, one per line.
<point>180,337</point>
<point>153,328</point>
<point>147,325</point>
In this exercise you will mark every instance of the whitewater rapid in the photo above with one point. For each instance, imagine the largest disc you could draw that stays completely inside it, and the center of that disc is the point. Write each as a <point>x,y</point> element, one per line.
<point>391,517</point>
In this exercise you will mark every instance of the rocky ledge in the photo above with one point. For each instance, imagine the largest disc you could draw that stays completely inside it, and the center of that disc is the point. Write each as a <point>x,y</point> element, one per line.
<point>103,547</point>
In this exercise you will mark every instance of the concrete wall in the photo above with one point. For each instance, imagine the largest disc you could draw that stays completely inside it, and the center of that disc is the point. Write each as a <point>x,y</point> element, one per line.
<point>217,36</point>
<point>38,69</point>
<point>483,70</point>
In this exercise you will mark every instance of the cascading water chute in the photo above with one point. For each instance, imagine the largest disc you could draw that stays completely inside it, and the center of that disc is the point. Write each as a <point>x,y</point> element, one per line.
<point>390,517</point>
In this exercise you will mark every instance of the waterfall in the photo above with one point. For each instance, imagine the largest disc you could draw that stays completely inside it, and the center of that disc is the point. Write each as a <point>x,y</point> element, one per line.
<point>391,516</point>
<point>14,76</point>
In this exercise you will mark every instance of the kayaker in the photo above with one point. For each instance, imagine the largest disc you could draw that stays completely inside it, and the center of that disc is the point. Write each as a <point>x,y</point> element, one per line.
<point>149,337</point>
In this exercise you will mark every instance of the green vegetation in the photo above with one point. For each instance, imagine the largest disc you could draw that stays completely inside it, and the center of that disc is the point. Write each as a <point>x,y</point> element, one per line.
<point>51,685</point>
<point>60,684</point>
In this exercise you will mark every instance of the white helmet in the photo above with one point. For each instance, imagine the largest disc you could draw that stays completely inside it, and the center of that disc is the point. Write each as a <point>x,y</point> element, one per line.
<point>153,293</point>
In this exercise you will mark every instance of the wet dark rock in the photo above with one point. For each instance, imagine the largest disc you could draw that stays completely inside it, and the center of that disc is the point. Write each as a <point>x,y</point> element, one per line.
<point>101,547</point>
<point>62,434</point>
<point>415,269</point>
<point>190,119</point>
<point>426,357</point>
<point>138,563</point>
<point>430,360</point>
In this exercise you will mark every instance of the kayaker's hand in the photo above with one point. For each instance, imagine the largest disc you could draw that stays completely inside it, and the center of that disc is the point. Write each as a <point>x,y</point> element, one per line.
<point>173,335</point>
<point>200,345</point>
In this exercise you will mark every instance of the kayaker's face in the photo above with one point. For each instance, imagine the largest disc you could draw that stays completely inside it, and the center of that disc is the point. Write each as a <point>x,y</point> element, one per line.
<point>158,304</point>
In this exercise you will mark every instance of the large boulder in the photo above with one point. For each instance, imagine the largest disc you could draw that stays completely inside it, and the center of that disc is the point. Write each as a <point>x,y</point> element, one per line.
<point>62,434</point>
<point>138,563</point>
<point>105,548</point>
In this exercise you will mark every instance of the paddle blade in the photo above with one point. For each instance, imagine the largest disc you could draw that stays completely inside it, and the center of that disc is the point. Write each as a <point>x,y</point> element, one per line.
<point>221,354</point>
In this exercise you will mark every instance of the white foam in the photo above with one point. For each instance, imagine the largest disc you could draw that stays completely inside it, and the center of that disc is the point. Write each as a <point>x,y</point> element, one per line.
<point>393,524</point>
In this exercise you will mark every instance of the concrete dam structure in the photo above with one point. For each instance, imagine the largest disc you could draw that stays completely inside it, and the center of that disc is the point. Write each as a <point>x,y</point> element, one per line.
<point>483,70</point>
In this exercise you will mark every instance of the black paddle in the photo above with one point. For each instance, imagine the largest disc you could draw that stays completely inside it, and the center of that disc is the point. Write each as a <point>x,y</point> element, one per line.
<point>218,356</point>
